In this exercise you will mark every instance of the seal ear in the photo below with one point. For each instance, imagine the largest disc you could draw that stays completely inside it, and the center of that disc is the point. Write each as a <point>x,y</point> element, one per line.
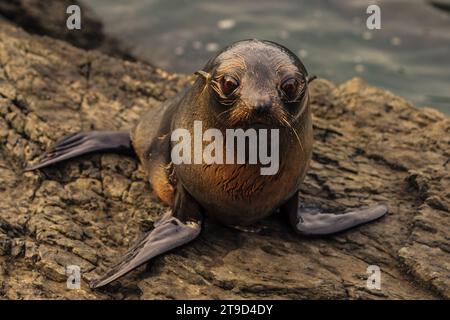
<point>311,79</point>
<point>204,75</point>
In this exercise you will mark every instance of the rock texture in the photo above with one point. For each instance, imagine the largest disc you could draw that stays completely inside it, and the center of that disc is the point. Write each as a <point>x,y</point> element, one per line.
<point>49,18</point>
<point>371,146</point>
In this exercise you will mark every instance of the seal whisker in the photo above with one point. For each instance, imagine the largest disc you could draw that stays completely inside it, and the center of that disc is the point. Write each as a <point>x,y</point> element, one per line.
<point>288,124</point>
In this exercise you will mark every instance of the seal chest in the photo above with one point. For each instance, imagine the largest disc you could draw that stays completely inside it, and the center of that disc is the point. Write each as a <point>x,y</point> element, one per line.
<point>238,194</point>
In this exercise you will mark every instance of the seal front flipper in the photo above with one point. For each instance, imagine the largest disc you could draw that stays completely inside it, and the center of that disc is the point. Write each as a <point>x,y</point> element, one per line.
<point>308,221</point>
<point>77,144</point>
<point>169,234</point>
<point>175,228</point>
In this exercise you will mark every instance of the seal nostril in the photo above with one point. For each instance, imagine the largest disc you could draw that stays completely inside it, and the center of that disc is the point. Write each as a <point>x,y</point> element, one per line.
<point>263,106</point>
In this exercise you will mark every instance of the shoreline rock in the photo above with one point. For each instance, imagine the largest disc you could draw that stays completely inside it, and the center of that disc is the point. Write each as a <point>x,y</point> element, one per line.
<point>371,146</point>
<point>49,19</point>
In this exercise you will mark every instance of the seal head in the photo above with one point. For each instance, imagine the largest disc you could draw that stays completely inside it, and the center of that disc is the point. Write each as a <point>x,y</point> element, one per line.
<point>256,82</point>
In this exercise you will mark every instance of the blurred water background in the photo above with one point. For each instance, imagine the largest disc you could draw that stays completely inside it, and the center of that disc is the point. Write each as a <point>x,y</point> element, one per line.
<point>410,55</point>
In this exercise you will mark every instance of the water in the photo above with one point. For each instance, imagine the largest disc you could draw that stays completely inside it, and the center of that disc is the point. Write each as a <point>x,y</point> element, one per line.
<point>410,55</point>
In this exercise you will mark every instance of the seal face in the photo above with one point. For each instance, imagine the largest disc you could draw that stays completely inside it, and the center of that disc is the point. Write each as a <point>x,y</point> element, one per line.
<point>256,82</point>
<point>250,84</point>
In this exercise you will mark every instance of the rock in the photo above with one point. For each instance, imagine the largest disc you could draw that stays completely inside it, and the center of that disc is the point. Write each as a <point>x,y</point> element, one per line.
<point>371,146</point>
<point>50,20</point>
<point>5,245</point>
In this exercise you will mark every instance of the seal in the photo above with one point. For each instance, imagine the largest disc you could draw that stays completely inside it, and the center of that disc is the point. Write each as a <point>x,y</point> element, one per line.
<point>249,84</point>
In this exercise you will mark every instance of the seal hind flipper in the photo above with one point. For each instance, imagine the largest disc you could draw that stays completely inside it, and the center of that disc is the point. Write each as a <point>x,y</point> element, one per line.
<point>307,221</point>
<point>177,227</point>
<point>81,143</point>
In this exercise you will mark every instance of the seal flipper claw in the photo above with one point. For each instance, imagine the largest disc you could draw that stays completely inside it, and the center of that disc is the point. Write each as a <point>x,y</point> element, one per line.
<point>169,233</point>
<point>307,221</point>
<point>77,144</point>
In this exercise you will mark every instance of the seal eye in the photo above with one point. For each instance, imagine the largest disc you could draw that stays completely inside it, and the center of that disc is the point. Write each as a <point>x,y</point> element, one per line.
<point>290,88</point>
<point>228,85</point>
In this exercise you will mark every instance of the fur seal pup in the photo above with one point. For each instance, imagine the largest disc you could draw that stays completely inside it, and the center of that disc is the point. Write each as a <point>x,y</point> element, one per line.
<point>249,84</point>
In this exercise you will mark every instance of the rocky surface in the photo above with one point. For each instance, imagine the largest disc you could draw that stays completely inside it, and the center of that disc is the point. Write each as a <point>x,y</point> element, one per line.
<point>49,18</point>
<point>371,146</point>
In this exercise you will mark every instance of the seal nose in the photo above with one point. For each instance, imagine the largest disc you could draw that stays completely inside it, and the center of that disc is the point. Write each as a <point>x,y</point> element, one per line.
<point>262,106</point>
